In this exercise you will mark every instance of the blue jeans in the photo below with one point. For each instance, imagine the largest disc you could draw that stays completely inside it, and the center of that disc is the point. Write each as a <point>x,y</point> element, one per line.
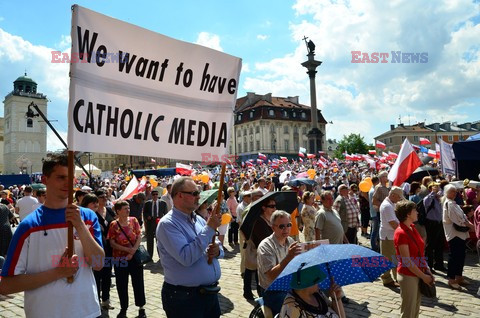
<point>181,302</point>
<point>374,233</point>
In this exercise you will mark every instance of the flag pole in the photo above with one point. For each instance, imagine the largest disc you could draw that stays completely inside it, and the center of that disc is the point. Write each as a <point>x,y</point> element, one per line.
<point>70,201</point>
<point>219,201</point>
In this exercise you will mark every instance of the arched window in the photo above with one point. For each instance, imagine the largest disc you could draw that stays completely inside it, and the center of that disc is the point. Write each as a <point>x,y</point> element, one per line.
<point>271,113</point>
<point>29,123</point>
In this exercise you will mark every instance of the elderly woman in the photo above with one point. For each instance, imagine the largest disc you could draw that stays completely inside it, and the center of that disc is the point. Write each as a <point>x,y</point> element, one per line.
<point>409,246</point>
<point>125,236</point>
<point>306,300</point>
<point>308,216</point>
<point>453,217</point>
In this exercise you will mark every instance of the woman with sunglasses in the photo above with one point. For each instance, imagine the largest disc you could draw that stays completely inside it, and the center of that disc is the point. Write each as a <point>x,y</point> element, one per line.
<point>262,227</point>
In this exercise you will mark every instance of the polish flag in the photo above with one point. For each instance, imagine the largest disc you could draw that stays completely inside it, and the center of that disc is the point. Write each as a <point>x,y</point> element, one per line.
<point>262,156</point>
<point>259,161</point>
<point>284,159</point>
<point>372,152</point>
<point>424,141</point>
<point>300,159</point>
<point>310,156</point>
<point>321,164</point>
<point>249,164</point>
<point>131,189</point>
<point>393,155</point>
<point>405,164</point>
<point>434,154</point>
<point>380,145</point>
<point>184,170</point>
<point>300,154</point>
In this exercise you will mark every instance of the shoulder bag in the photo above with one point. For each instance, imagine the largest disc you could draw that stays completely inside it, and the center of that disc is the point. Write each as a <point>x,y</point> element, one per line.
<point>141,255</point>
<point>429,291</point>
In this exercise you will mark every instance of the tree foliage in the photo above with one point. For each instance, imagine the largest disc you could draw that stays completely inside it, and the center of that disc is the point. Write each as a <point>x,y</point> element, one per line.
<point>351,144</point>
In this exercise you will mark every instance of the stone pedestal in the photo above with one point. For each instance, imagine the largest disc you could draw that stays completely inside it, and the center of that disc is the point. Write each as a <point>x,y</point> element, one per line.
<point>315,137</point>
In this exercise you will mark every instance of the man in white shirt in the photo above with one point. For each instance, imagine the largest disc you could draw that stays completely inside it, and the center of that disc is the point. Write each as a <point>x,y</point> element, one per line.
<point>388,224</point>
<point>27,204</point>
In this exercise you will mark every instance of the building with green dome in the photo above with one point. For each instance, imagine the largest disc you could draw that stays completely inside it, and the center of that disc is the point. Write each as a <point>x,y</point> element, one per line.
<point>24,138</point>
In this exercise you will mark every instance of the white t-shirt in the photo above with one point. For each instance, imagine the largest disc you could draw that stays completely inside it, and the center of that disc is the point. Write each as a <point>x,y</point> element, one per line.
<point>387,214</point>
<point>26,205</point>
<point>31,251</point>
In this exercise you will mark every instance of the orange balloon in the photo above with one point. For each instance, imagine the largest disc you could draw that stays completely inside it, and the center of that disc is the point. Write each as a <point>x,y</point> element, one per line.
<point>364,186</point>
<point>226,218</point>
<point>205,178</point>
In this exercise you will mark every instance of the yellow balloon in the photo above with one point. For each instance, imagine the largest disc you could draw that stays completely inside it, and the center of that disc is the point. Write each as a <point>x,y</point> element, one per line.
<point>153,182</point>
<point>164,191</point>
<point>368,179</point>
<point>242,175</point>
<point>335,169</point>
<point>204,178</point>
<point>226,218</point>
<point>364,186</point>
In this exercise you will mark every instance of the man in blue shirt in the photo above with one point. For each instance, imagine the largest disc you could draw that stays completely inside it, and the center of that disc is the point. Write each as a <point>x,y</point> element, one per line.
<point>185,245</point>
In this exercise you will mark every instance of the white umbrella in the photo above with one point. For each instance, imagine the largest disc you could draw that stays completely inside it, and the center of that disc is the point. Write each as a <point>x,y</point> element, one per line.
<point>283,176</point>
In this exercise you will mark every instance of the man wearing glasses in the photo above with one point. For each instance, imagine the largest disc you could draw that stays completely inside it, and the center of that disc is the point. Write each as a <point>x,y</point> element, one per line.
<point>273,254</point>
<point>185,245</point>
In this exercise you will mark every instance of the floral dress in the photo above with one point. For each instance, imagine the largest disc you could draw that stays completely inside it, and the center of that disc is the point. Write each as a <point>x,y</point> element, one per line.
<point>308,217</point>
<point>132,230</point>
<point>295,307</point>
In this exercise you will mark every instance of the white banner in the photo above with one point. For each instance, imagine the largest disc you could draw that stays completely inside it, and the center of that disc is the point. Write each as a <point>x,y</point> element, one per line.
<point>446,158</point>
<point>136,92</point>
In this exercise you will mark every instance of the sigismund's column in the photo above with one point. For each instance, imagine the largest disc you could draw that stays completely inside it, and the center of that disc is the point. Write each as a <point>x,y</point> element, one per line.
<point>314,135</point>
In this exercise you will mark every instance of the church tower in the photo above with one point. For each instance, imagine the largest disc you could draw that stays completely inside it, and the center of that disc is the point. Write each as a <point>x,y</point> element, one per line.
<point>25,139</point>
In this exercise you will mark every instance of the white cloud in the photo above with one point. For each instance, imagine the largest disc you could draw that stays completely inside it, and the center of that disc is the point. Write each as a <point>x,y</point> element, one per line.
<point>367,98</point>
<point>262,37</point>
<point>246,68</point>
<point>65,42</point>
<point>209,40</point>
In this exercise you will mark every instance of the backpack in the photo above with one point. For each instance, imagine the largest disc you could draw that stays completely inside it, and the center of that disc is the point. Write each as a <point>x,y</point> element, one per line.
<point>422,213</point>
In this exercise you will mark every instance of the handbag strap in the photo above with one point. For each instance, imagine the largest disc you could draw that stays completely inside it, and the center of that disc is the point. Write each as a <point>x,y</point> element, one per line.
<point>121,228</point>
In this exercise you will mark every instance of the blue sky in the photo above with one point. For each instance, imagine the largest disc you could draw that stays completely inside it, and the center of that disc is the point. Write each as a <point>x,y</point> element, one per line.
<point>362,98</point>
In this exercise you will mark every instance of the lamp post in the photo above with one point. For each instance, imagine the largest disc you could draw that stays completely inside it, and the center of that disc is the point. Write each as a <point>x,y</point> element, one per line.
<point>314,135</point>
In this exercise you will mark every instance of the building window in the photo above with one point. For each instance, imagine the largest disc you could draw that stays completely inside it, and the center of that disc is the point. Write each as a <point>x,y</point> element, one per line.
<point>390,140</point>
<point>415,138</point>
<point>239,147</point>
<point>285,129</point>
<point>450,138</point>
<point>258,144</point>
<point>251,130</point>
<point>287,145</point>
<point>251,114</point>
<point>295,129</point>
<point>257,129</point>
<point>244,131</point>
<point>403,138</point>
<point>245,147</point>
<point>239,133</point>
<point>285,114</point>
<point>294,114</point>
<point>29,123</point>
<point>271,113</point>
<point>239,117</point>
<point>304,115</point>
<point>304,130</point>
<point>296,144</point>
<point>273,143</point>
<point>251,145</point>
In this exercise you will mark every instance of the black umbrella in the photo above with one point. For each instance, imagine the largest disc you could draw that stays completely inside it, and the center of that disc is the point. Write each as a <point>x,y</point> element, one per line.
<point>426,159</point>
<point>299,181</point>
<point>421,172</point>
<point>285,200</point>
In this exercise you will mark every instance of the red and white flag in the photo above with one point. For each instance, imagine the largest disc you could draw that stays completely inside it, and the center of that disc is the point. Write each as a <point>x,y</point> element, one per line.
<point>249,164</point>
<point>392,155</point>
<point>284,159</point>
<point>262,156</point>
<point>184,170</point>
<point>300,154</point>
<point>424,141</point>
<point>300,159</point>
<point>259,161</point>
<point>310,156</point>
<point>321,164</point>
<point>380,145</point>
<point>372,152</point>
<point>131,189</point>
<point>405,164</point>
<point>152,160</point>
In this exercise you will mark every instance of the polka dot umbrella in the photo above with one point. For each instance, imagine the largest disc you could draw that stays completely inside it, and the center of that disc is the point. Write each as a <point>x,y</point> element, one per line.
<point>346,263</point>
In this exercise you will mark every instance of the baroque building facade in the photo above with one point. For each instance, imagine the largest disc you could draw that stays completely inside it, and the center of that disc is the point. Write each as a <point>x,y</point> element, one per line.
<point>24,138</point>
<point>275,126</point>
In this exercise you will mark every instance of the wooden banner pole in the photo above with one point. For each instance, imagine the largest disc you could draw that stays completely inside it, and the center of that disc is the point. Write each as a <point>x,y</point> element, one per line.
<point>219,201</point>
<point>71,169</point>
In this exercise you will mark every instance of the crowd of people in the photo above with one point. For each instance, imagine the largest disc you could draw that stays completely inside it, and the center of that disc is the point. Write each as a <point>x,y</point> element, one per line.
<point>187,230</point>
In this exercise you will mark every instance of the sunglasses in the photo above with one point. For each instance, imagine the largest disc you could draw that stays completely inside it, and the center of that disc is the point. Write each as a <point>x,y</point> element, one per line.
<point>193,193</point>
<point>271,206</point>
<point>282,226</point>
